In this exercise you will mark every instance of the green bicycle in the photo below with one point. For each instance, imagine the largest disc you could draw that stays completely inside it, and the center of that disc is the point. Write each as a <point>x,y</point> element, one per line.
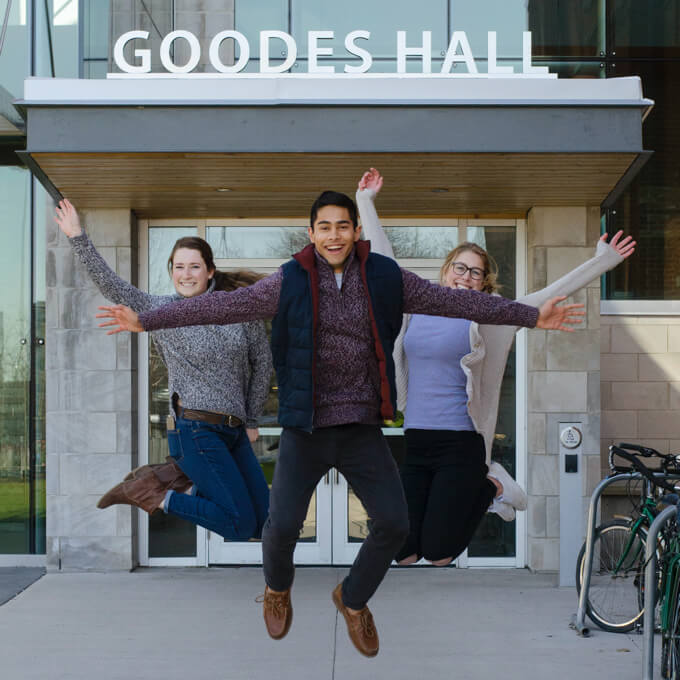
<point>615,599</point>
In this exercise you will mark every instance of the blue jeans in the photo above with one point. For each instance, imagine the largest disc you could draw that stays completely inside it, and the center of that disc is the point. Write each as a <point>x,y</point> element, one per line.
<point>231,494</point>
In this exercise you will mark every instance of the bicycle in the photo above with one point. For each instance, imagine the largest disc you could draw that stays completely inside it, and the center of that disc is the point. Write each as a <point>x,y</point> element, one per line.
<point>615,598</point>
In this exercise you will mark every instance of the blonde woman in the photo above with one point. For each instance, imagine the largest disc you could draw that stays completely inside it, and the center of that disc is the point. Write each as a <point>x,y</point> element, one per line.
<point>448,374</point>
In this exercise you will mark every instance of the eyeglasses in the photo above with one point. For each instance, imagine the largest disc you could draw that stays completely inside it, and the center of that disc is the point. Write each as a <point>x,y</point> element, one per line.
<point>461,269</point>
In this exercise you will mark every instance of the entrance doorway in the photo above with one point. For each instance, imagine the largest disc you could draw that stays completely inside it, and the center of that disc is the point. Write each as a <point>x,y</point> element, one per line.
<point>336,522</point>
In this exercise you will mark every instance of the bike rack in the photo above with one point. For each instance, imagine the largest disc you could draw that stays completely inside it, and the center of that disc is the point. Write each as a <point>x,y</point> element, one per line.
<point>650,591</point>
<point>579,623</point>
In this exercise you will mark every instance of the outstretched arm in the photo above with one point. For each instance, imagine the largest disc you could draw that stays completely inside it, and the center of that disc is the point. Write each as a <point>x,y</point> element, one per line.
<point>369,185</point>
<point>259,301</point>
<point>423,297</point>
<point>110,285</point>
<point>607,256</point>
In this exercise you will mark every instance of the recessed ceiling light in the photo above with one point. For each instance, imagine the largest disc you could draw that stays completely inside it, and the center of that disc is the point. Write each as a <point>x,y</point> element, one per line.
<point>223,189</point>
<point>451,187</point>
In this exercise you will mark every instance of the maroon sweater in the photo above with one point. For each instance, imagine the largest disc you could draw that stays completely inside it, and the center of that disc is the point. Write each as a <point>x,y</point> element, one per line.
<point>347,380</point>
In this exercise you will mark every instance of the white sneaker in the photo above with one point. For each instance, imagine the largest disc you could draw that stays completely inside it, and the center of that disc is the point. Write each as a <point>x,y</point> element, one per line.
<point>503,510</point>
<point>513,494</point>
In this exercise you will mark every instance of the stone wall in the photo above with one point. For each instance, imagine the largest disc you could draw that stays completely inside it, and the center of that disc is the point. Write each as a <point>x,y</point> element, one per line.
<point>563,374</point>
<point>91,410</point>
<point>640,382</point>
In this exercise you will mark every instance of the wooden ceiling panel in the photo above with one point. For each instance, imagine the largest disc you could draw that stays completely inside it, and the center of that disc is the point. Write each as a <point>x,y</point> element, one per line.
<point>284,185</point>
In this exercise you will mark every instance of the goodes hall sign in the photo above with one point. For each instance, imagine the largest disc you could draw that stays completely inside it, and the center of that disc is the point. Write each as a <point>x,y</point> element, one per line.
<point>355,43</point>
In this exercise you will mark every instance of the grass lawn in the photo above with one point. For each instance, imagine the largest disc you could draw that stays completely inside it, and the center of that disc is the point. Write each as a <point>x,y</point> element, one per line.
<point>14,500</point>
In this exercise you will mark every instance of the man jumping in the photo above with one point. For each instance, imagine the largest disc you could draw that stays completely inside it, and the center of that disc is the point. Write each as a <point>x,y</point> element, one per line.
<point>337,309</point>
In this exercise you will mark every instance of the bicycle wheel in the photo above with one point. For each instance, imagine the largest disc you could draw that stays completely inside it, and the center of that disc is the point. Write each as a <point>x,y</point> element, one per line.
<point>615,596</point>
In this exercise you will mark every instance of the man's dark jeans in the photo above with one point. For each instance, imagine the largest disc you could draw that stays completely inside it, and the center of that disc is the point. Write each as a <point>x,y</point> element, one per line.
<point>361,454</point>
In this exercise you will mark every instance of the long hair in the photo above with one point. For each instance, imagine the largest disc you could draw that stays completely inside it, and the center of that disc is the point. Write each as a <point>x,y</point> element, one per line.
<point>489,283</point>
<point>223,280</point>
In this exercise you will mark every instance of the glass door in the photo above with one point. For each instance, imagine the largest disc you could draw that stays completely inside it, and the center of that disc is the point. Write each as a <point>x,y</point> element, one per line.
<point>336,523</point>
<point>22,372</point>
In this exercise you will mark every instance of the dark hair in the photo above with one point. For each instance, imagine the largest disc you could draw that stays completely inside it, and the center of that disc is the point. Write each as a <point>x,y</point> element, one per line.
<point>334,198</point>
<point>223,280</point>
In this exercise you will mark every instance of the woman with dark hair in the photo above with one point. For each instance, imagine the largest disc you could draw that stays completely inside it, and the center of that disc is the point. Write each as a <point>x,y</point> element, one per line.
<point>218,379</point>
<point>448,375</point>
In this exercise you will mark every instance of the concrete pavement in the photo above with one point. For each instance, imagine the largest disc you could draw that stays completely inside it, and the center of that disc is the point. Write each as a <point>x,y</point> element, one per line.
<point>167,624</point>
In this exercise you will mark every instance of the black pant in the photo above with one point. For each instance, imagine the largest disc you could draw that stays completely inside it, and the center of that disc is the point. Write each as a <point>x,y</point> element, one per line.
<point>361,454</point>
<point>447,491</point>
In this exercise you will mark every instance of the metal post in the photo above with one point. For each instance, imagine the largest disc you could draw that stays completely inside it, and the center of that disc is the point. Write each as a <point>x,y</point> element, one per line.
<point>579,624</point>
<point>650,592</point>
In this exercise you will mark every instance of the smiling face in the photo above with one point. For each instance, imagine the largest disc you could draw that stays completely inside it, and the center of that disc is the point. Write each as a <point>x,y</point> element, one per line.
<point>190,274</point>
<point>465,280</point>
<point>334,235</point>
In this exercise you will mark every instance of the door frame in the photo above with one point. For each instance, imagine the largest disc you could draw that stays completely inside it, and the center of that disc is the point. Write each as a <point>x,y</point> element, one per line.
<point>330,515</point>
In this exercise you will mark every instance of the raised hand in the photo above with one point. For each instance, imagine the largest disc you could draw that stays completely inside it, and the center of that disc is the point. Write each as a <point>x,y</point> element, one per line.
<point>121,318</point>
<point>552,317</point>
<point>624,248</point>
<point>371,179</point>
<point>66,217</point>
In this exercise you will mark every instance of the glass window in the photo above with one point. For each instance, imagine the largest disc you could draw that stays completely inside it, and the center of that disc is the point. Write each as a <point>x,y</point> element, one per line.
<point>649,209</point>
<point>509,18</point>
<point>56,38</point>
<point>256,242</point>
<point>422,242</point>
<point>494,537</point>
<point>17,492</point>
<point>567,28</point>
<point>95,34</point>
<point>383,18</point>
<point>645,29</point>
<point>14,51</point>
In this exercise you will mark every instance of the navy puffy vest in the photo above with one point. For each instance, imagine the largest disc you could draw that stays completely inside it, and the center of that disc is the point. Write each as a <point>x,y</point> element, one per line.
<point>294,328</point>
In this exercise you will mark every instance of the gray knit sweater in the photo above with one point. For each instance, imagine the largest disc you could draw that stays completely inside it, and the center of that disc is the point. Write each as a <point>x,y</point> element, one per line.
<point>212,368</point>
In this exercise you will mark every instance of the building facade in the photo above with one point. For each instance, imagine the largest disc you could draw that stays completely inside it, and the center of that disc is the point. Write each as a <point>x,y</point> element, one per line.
<point>533,169</point>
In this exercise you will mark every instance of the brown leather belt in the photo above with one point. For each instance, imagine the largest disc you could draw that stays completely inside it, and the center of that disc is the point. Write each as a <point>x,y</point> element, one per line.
<point>211,417</point>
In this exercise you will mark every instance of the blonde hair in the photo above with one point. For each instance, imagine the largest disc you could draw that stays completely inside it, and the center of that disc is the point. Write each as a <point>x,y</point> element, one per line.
<point>489,283</point>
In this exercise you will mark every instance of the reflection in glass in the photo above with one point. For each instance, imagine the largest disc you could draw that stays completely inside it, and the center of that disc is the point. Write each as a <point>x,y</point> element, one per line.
<point>95,35</point>
<point>17,494</point>
<point>567,29</point>
<point>14,64</point>
<point>56,39</point>
<point>256,242</point>
<point>423,242</point>
<point>508,18</point>
<point>169,536</point>
<point>494,537</point>
<point>649,209</point>
<point>383,18</point>
<point>645,29</point>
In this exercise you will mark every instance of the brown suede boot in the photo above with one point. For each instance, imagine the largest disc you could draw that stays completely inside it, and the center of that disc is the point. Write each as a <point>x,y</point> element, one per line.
<point>145,492</point>
<point>168,473</point>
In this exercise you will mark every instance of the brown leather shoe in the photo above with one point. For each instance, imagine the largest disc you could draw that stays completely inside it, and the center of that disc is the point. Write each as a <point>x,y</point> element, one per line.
<point>360,626</point>
<point>144,492</point>
<point>169,473</point>
<point>278,612</point>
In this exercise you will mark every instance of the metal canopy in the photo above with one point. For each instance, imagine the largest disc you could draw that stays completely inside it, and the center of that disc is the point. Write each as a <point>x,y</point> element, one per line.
<point>266,146</point>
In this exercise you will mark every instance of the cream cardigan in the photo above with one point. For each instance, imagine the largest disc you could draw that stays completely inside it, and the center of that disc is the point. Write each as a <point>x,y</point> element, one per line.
<point>490,345</point>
